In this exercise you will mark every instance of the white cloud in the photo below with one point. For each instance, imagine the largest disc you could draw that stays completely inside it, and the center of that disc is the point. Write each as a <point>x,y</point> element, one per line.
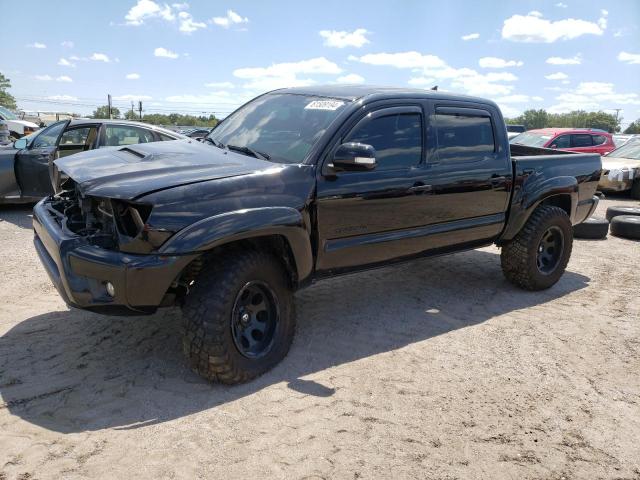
<point>67,98</point>
<point>163,52</point>
<point>65,63</point>
<point>430,69</point>
<point>131,97</point>
<point>495,62</point>
<point>219,85</point>
<point>67,44</point>
<point>232,18</point>
<point>43,78</point>
<point>132,76</point>
<point>593,96</point>
<point>187,24</point>
<point>37,45</point>
<point>402,60</point>
<point>286,74</point>
<point>536,29</point>
<point>575,60</point>
<point>350,79</point>
<point>341,39</point>
<point>99,57</point>
<point>146,9</point>
<point>64,78</point>
<point>518,98</point>
<point>562,5</point>
<point>602,21</point>
<point>535,13</point>
<point>557,76</point>
<point>471,36</point>
<point>629,57</point>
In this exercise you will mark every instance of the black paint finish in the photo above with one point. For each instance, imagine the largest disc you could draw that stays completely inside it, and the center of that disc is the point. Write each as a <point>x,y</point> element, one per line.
<point>331,221</point>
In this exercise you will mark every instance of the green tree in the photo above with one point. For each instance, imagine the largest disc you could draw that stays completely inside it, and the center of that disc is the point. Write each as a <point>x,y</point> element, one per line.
<point>180,119</point>
<point>129,115</point>
<point>103,112</point>
<point>634,127</point>
<point>6,99</point>
<point>532,119</point>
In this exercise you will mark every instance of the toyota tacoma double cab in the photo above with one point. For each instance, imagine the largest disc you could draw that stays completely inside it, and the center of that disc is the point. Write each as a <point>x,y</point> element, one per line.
<point>298,185</point>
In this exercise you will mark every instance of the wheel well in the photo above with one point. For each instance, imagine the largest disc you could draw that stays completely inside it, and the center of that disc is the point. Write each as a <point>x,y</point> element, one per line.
<point>561,201</point>
<point>278,245</point>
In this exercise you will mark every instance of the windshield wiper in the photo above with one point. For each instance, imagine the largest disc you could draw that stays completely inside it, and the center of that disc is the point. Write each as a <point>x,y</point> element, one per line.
<point>215,143</point>
<point>249,151</point>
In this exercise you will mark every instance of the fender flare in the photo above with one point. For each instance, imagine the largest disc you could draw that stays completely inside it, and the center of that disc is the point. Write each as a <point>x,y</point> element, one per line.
<point>532,195</point>
<point>218,230</point>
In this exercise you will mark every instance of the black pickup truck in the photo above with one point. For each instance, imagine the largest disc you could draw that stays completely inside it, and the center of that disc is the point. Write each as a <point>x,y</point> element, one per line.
<point>297,185</point>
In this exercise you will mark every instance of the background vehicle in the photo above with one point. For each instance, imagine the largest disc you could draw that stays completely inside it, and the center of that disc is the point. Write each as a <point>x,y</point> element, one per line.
<point>196,132</point>
<point>17,128</point>
<point>297,185</point>
<point>621,170</point>
<point>620,139</point>
<point>568,139</point>
<point>25,165</point>
<point>514,130</point>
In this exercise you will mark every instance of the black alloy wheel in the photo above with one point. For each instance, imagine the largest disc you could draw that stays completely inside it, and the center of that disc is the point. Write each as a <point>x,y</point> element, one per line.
<point>254,319</point>
<point>550,250</point>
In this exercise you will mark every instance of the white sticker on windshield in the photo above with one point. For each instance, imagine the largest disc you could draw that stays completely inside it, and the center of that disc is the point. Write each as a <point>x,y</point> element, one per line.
<point>324,105</point>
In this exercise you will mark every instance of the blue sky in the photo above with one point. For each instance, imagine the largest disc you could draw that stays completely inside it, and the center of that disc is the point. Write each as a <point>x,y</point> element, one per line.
<point>210,56</point>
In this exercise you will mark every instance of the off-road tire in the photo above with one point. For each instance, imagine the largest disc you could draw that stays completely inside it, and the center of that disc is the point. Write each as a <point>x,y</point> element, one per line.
<point>626,226</point>
<point>635,189</point>
<point>208,341</point>
<point>592,228</point>
<point>519,255</point>
<point>617,210</point>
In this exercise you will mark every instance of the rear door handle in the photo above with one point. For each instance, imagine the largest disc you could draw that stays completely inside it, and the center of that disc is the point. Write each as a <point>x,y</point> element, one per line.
<point>421,188</point>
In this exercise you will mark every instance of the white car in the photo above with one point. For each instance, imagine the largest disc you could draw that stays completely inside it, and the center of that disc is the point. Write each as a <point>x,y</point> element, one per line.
<point>621,169</point>
<point>17,128</point>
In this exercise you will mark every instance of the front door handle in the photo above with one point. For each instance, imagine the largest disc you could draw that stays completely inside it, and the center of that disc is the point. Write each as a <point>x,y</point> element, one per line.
<point>421,188</point>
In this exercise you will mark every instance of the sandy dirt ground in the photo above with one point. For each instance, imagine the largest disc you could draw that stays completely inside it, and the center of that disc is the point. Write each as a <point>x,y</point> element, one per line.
<point>437,369</point>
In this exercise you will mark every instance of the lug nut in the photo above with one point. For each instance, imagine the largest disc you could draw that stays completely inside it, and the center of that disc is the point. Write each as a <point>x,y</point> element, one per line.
<point>111,290</point>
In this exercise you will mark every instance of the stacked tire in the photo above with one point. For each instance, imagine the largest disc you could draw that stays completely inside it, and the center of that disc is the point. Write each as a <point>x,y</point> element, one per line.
<point>625,221</point>
<point>592,228</point>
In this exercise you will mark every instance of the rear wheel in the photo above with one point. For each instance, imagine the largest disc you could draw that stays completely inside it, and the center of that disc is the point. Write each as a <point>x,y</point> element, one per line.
<point>239,318</point>
<point>537,257</point>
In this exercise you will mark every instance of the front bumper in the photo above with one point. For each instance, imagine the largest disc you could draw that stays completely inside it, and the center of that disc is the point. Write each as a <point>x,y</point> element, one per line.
<point>80,271</point>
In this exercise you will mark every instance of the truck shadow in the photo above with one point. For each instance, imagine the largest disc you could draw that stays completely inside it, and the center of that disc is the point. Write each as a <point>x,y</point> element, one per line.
<point>72,371</point>
<point>19,215</point>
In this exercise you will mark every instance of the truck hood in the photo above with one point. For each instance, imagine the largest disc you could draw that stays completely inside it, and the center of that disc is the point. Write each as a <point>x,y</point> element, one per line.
<point>617,163</point>
<point>24,123</point>
<point>135,170</point>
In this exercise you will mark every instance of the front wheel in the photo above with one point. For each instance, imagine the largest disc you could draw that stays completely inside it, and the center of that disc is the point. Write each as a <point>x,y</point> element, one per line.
<point>537,256</point>
<point>239,317</point>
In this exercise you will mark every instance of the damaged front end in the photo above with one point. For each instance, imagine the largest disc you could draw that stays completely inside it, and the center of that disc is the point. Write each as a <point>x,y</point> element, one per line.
<point>108,223</point>
<point>101,253</point>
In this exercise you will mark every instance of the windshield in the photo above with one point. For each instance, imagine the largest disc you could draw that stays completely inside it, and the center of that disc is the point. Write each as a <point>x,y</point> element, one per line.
<point>531,139</point>
<point>630,149</point>
<point>282,127</point>
<point>7,114</point>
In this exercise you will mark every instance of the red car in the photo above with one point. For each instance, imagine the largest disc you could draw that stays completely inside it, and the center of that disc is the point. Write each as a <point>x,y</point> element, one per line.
<point>584,140</point>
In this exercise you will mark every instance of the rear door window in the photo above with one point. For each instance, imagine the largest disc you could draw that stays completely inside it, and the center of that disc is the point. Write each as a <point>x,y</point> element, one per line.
<point>119,135</point>
<point>464,137</point>
<point>581,140</point>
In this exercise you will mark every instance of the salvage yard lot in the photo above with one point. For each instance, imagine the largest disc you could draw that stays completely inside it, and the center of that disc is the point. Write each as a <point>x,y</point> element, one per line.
<point>435,369</point>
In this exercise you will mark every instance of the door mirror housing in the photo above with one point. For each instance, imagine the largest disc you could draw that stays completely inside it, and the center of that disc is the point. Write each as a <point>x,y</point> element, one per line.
<point>20,144</point>
<point>353,156</point>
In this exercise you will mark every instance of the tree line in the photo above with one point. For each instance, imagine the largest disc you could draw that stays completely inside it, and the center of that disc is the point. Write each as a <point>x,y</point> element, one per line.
<point>532,119</point>
<point>158,118</point>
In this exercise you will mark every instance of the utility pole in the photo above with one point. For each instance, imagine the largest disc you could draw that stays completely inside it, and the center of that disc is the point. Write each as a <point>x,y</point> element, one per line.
<point>109,104</point>
<point>140,109</point>
<point>132,113</point>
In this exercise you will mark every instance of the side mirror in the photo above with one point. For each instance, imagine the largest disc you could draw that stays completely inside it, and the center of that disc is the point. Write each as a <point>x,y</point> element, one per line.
<point>354,156</point>
<point>20,143</point>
